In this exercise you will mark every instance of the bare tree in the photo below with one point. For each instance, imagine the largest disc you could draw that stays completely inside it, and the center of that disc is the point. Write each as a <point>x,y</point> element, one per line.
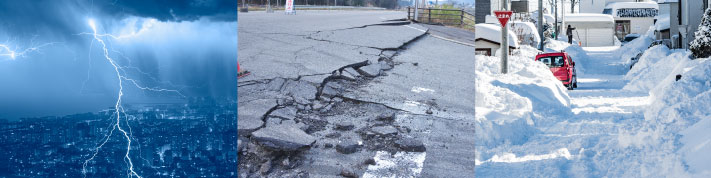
<point>572,5</point>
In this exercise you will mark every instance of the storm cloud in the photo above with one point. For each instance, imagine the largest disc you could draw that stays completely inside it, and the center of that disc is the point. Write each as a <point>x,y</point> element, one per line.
<point>189,46</point>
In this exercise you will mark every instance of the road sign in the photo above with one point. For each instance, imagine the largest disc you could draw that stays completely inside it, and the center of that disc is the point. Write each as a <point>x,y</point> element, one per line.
<point>503,16</point>
<point>289,7</point>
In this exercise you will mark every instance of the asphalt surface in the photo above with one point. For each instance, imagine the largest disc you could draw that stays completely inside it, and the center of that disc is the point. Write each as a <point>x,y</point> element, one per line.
<point>370,96</point>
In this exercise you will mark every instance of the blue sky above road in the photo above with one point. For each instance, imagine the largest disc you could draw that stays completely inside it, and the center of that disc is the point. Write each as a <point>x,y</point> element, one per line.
<point>50,63</point>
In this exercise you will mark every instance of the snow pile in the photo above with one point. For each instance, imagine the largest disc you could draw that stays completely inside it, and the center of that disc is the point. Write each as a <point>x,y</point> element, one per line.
<point>634,47</point>
<point>580,57</point>
<point>508,105</point>
<point>656,64</point>
<point>683,107</point>
<point>678,107</point>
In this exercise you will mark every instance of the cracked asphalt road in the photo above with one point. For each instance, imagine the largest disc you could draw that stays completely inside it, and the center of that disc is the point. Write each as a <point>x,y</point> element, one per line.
<point>352,93</point>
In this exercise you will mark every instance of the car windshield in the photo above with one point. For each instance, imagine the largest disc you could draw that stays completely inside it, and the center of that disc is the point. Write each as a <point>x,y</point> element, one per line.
<point>553,61</point>
<point>630,38</point>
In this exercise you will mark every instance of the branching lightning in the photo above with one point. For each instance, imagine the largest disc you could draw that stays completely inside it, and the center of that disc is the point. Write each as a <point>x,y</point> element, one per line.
<point>8,51</point>
<point>118,108</point>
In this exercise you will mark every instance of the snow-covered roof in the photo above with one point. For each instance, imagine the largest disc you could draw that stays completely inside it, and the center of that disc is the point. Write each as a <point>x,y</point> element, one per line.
<point>666,1</point>
<point>493,33</point>
<point>527,28</point>
<point>547,18</point>
<point>588,17</point>
<point>662,22</point>
<point>632,5</point>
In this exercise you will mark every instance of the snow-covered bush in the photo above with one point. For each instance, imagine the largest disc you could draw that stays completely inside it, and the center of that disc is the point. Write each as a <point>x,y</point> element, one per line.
<point>701,46</point>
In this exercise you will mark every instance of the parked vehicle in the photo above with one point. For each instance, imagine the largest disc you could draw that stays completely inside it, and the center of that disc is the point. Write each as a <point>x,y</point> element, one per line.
<point>562,66</point>
<point>629,37</point>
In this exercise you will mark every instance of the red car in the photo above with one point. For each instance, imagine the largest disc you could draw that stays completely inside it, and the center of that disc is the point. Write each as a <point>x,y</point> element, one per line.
<point>562,66</point>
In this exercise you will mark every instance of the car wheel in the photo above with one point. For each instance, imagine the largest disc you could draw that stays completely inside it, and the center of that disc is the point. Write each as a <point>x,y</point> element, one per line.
<point>575,82</point>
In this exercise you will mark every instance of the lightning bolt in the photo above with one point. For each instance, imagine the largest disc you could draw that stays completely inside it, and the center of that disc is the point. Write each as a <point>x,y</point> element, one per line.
<point>6,50</point>
<point>118,108</point>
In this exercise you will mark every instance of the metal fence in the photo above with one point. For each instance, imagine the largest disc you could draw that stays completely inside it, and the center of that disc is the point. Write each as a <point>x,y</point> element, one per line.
<point>449,17</point>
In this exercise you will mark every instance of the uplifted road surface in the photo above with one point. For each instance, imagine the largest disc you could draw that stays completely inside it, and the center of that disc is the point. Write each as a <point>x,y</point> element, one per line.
<point>352,94</point>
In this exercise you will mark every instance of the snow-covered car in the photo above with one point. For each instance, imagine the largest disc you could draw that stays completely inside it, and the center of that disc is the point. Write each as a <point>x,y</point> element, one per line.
<point>562,66</point>
<point>629,37</point>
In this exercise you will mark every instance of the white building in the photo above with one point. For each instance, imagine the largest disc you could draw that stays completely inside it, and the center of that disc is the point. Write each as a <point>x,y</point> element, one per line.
<point>488,39</point>
<point>632,17</point>
<point>684,19</point>
<point>591,29</point>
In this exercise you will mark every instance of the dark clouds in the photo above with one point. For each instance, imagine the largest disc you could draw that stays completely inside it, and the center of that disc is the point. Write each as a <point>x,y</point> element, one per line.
<point>192,50</point>
<point>172,10</point>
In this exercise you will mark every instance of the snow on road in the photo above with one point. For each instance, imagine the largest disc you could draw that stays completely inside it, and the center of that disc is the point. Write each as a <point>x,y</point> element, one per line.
<point>618,124</point>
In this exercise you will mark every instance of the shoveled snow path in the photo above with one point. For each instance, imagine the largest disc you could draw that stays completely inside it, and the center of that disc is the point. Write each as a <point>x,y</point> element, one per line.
<point>596,140</point>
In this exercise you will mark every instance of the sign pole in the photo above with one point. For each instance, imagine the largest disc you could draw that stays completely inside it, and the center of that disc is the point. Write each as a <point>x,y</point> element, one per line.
<point>503,17</point>
<point>540,24</point>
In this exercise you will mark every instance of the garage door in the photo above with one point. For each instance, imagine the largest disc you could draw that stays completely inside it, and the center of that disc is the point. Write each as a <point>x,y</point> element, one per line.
<point>598,37</point>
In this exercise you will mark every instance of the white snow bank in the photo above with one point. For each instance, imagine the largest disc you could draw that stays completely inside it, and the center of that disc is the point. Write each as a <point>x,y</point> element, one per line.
<point>677,107</point>
<point>655,65</point>
<point>634,47</point>
<point>508,105</point>
<point>683,107</point>
<point>493,33</point>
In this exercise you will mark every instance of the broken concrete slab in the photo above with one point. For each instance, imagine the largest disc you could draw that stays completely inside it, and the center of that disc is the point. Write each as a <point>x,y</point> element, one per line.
<point>384,130</point>
<point>350,73</point>
<point>247,125</point>
<point>330,90</point>
<point>388,53</point>
<point>384,65</point>
<point>386,117</point>
<point>372,70</point>
<point>285,112</point>
<point>345,126</point>
<point>410,144</point>
<point>250,114</point>
<point>300,89</point>
<point>348,146</point>
<point>276,84</point>
<point>283,138</point>
<point>270,121</point>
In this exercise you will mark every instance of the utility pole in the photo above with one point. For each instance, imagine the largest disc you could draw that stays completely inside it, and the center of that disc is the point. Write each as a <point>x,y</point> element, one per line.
<point>504,42</point>
<point>555,4</point>
<point>416,6</point>
<point>540,24</point>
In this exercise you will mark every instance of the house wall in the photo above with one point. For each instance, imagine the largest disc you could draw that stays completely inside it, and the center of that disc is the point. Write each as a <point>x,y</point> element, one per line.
<point>481,44</point>
<point>638,25</point>
<point>691,13</point>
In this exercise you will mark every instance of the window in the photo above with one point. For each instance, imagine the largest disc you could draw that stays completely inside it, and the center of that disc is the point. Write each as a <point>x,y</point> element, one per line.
<point>553,61</point>
<point>607,11</point>
<point>622,28</point>
<point>482,51</point>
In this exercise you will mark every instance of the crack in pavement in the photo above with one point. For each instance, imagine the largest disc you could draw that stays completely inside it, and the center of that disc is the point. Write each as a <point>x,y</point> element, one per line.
<point>308,110</point>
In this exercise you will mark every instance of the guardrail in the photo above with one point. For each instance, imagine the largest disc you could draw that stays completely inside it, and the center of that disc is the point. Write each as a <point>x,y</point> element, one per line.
<point>449,17</point>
